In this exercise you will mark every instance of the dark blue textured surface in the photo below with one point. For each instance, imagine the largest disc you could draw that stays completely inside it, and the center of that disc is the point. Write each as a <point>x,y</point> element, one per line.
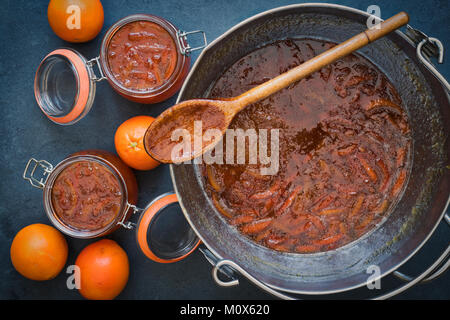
<point>26,38</point>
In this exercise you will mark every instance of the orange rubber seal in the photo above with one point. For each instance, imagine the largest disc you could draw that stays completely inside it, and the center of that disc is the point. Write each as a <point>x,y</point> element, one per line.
<point>83,86</point>
<point>144,223</point>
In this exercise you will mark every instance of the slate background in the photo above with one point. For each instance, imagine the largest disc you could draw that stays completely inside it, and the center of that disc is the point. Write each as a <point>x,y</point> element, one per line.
<point>25,132</point>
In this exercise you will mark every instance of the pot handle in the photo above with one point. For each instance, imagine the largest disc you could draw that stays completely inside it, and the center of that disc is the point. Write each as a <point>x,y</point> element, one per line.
<point>436,272</point>
<point>427,47</point>
<point>233,282</point>
<point>229,269</point>
<point>422,276</point>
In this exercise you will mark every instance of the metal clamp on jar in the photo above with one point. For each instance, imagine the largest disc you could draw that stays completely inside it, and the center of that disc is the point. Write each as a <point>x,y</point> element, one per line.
<point>65,81</point>
<point>92,193</point>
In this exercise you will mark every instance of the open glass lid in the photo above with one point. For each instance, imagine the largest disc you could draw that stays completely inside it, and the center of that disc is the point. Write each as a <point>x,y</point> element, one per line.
<point>163,234</point>
<point>64,86</point>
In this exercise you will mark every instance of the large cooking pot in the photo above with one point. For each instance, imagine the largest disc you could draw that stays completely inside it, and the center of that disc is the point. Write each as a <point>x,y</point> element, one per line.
<point>419,210</point>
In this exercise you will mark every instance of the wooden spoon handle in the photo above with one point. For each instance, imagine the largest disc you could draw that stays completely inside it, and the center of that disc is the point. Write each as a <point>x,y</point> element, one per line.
<point>318,62</point>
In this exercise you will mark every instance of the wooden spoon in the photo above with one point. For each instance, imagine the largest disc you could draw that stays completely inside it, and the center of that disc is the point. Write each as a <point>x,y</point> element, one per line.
<point>218,114</point>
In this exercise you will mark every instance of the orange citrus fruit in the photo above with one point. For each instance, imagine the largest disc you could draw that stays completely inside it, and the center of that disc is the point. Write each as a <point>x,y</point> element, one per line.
<point>104,270</point>
<point>75,20</point>
<point>129,142</point>
<point>39,252</point>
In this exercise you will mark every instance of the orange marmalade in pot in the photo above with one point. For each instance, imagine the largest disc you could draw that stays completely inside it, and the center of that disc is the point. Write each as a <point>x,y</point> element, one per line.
<point>344,145</point>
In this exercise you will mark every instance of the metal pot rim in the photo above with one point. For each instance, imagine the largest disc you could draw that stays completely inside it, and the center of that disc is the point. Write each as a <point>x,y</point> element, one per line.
<point>194,67</point>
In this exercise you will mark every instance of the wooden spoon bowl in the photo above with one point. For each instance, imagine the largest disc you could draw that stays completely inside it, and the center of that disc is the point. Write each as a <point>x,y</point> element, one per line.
<point>165,131</point>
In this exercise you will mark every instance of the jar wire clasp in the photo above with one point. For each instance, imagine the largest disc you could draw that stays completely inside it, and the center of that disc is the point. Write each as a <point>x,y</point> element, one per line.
<point>32,166</point>
<point>186,49</point>
<point>90,65</point>
<point>129,225</point>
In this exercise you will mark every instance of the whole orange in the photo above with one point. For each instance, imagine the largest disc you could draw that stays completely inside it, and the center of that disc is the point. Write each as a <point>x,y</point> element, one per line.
<point>39,252</point>
<point>75,20</point>
<point>129,142</point>
<point>104,270</point>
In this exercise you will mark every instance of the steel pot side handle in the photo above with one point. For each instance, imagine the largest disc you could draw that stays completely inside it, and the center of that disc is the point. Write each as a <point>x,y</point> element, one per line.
<point>230,268</point>
<point>427,273</point>
<point>234,282</point>
<point>427,47</point>
<point>436,272</point>
<point>439,266</point>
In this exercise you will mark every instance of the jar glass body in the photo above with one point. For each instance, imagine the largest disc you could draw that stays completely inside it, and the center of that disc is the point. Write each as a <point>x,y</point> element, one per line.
<point>124,177</point>
<point>171,85</point>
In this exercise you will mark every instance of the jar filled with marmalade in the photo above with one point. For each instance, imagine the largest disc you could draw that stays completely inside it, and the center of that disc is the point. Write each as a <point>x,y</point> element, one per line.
<point>145,58</point>
<point>88,194</point>
<point>92,193</point>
